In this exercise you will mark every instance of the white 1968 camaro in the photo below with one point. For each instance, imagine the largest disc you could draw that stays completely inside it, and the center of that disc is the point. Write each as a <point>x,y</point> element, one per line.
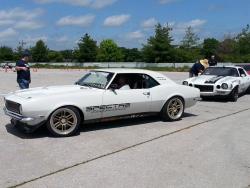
<point>100,95</point>
<point>229,81</point>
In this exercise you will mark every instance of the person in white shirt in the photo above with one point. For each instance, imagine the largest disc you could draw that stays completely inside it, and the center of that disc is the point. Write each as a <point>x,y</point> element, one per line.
<point>122,83</point>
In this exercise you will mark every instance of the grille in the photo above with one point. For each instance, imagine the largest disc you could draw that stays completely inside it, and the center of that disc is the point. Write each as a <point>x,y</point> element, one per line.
<point>13,107</point>
<point>205,88</point>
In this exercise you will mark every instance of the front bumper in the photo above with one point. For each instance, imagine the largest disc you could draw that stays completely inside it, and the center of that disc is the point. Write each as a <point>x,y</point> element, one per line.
<point>30,121</point>
<point>216,93</point>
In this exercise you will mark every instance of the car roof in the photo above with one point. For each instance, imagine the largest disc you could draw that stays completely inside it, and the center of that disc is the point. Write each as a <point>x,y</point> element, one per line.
<point>126,70</point>
<point>231,66</point>
<point>156,75</point>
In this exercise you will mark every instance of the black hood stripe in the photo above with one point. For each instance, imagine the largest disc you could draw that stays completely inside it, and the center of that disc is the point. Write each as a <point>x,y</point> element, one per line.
<point>214,79</point>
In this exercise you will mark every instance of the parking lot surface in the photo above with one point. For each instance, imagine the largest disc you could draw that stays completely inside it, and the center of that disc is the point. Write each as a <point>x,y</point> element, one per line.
<point>209,147</point>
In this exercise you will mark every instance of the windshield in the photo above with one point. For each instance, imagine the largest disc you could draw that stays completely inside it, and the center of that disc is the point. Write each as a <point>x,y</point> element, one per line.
<point>96,79</point>
<point>221,71</point>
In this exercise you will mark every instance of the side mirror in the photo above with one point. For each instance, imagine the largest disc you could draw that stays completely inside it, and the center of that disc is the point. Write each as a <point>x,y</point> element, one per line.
<point>243,75</point>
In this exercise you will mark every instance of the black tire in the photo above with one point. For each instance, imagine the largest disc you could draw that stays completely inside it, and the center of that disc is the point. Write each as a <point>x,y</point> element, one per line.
<point>204,98</point>
<point>173,109</point>
<point>64,122</point>
<point>234,95</point>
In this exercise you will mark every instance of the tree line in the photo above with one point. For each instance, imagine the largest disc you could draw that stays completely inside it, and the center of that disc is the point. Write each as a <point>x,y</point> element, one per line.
<point>158,49</point>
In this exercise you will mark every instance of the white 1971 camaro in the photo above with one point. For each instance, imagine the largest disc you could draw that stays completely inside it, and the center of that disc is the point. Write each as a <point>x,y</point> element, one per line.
<point>229,81</point>
<point>100,95</point>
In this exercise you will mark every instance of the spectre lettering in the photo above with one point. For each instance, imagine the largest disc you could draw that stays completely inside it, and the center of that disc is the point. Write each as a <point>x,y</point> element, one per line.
<point>106,108</point>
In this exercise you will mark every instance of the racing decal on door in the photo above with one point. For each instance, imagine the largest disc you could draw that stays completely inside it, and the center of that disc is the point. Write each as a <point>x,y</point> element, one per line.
<point>106,108</point>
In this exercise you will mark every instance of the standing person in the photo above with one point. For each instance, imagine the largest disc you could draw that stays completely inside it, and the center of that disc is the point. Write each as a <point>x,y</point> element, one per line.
<point>198,68</point>
<point>212,61</point>
<point>23,71</point>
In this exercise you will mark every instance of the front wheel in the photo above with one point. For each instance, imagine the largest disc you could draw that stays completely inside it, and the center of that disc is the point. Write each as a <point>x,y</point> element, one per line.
<point>64,122</point>
<point>173,109</point>
<point>234,95</point>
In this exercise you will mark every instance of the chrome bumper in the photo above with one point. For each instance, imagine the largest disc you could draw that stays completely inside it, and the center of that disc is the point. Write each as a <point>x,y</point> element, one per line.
<point>18,117</point>
<point>216,93</point>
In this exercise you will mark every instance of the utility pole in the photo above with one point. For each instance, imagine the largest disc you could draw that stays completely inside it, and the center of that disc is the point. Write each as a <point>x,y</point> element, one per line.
<point>22,43</point>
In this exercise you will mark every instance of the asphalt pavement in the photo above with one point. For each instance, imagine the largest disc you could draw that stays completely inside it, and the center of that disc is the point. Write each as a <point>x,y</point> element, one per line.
<point>209,147</point>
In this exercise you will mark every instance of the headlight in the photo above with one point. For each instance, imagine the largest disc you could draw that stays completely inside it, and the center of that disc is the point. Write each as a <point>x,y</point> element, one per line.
<point>224,86</point>
<point>185,83</point>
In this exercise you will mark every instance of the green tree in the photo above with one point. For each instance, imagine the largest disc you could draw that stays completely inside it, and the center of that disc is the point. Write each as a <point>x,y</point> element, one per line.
<point>18,52</point>
<point>227,45</point>
<point>243,41</point>
<point>55,56</point>
<point>183,55</point>
<point>109,52</point>
<point>6,53</point>
<point>210,47</point>
<point>87,49</point>
<point>158,48</point>
<point>190,39</point>
<point>67,55</point>
<point>40,52</point>
<point>131,55</point>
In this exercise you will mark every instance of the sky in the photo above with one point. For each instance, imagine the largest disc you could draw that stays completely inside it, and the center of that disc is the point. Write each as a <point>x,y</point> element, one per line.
<point>61,23</point>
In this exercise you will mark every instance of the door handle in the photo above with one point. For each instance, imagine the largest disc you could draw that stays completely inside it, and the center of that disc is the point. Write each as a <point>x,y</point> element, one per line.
<point>146,93</point>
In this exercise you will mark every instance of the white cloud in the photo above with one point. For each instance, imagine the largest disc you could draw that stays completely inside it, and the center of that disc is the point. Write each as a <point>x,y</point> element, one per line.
<point>6,22</point>
<point>167,1</point>
<point>195,23</point>
<point>28,25</point>
<point>135,35</point>
<point>180,28</point>
<point>71,2</point>
<point>149,23</point>
<point>20,18</point>
<point>31,40</point>
<point>20,14</point>
<point>62,39</point>
<point>102,3</point>
<point>7,33</point>
<point>117,20</point>
<point>84,3</point>
<point>83,21</point>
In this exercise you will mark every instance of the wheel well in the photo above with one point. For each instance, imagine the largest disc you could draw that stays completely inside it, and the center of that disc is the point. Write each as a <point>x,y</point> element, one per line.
<point>183,100</point>
<point>236,87</point>
<point>79,110</point>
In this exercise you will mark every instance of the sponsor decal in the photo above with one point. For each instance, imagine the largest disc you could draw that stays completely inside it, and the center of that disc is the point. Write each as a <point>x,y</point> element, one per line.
<point>214,80</point>
<point>160,78</point>
<point>107,108</point>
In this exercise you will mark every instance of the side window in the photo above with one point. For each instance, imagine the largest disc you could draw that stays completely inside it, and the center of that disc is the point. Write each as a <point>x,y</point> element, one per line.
<point>149,81</point>
<point>121,81</point>
<point>133,81</point>
<point>242,73</point>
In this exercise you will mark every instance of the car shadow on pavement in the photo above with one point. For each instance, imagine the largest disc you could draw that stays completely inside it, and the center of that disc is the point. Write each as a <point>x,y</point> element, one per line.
<point>219,99</point>
<point>42,132</point>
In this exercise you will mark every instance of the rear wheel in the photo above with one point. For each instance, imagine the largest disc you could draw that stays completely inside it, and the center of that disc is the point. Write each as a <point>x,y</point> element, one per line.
<point>173,109</point>
<point>64,122</point>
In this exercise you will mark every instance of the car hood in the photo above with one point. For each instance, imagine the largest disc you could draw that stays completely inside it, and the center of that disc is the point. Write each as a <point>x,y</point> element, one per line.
<point>212,79</point>
<point>51,90</point>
